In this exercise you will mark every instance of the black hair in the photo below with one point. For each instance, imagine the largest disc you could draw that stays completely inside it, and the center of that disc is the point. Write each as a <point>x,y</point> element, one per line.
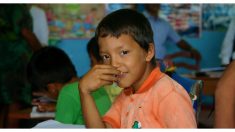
<point>49,65</point>
<point>130,22</point>
<point>93,49</point>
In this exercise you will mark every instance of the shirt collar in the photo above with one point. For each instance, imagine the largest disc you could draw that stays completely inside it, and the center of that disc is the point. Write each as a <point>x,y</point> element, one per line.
<point>154,76</point>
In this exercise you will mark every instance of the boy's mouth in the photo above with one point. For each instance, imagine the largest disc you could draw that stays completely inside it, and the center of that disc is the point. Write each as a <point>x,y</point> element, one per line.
<point>119,78</point>
<point>121,75</point>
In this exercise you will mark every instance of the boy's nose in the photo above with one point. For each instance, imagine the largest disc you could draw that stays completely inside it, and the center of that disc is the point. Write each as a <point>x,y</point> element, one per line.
<point>115,62</point>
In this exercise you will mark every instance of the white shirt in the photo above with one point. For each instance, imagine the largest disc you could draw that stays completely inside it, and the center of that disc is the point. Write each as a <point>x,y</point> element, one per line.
<point>40,25</point>
<point>227,46</point>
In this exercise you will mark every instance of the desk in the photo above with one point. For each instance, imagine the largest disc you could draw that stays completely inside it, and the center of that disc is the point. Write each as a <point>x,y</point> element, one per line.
<point>209,83</point>
<point>14,117</point>
<point>26,114</point>
<point>21,114</point>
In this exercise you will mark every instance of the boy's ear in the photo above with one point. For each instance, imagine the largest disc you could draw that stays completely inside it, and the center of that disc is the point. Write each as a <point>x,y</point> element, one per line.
<point>54,87</point>
<point>151,52</point>
<point>51,87</point>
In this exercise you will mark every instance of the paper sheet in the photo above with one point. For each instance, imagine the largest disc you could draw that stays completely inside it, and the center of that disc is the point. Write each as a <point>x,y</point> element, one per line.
<point>56,124</point>
<point>36,114</point>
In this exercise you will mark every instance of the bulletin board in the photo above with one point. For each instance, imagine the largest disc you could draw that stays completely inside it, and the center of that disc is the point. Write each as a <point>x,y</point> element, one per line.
<point>73,20</point>
<point>80,20</point>
<point>185,18</point>
<point>216,17</point>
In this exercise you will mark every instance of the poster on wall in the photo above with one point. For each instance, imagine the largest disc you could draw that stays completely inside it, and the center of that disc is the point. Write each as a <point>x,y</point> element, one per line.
<point>73,20</point>
<point>185,18</point>
<point>216,17</point>
<point>113,7</point>
<point>80,20</point>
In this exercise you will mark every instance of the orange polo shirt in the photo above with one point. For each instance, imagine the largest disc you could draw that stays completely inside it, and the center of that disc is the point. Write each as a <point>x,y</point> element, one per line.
<point>159,103</point>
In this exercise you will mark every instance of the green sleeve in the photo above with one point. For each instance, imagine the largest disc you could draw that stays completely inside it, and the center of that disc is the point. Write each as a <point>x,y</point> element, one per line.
<point>67,109</point>
<point>102,100</point>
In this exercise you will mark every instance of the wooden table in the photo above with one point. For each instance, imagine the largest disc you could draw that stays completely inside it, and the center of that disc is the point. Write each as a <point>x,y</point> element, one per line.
<point>22,114</point>
<point>14,117</point>
<point>209,83</point>
<point>25,114</point>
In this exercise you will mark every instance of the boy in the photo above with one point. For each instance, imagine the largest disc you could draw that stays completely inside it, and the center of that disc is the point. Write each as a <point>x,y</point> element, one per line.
<point>93,51</point>
<point>51,69</point>
<point>150,99</point>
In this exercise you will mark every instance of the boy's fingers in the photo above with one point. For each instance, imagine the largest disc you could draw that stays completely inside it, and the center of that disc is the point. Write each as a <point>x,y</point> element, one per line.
<point>109,71</point>
<point>39,108</point>
<point>42,107</point>
<point>105,82</point>
<point>104,67</point>
<point>110,78</point>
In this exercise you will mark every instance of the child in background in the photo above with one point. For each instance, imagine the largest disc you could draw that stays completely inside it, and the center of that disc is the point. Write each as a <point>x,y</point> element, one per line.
<point>51,69</point>
<point>93,51</point>
<point>150,99</point>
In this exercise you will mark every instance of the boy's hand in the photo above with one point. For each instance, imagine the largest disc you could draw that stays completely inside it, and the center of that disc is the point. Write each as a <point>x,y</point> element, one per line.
<point>98,76</point>
<point>46,107</point>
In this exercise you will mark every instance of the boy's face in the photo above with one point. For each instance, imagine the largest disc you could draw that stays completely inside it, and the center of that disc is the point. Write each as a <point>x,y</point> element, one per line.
<point>153,9</point>
<point>54,89</point>
<point>128,57</point>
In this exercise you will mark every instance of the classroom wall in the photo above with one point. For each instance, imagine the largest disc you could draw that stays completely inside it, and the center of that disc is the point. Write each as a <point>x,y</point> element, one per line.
<point>208,44</point>
<point>76,50</point>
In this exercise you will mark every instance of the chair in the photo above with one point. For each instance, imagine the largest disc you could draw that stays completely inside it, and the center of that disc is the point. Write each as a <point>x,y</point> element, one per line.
<point>193,87</point>
<point>196,95</point>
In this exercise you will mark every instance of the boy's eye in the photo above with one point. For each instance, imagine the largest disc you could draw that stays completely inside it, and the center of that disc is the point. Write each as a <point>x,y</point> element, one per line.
<point>105,57</point>
<point>124,52</point>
